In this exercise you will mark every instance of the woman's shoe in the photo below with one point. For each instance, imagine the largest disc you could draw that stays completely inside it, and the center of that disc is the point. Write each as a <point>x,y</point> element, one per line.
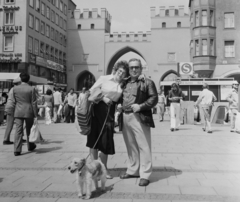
<point>204,129</point>
<point>172,129</point>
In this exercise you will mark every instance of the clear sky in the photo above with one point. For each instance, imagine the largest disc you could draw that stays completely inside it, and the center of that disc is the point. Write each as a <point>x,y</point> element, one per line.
<point>129,15</point>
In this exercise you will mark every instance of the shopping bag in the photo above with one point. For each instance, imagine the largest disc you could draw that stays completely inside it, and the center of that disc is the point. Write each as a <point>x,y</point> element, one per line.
<point>237,122</point>
<point>35,135</point>
<point>59,113</point>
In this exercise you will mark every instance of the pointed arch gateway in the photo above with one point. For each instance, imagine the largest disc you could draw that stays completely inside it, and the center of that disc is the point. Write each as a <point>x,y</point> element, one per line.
<point>85,79</point>
<point>119,54</point>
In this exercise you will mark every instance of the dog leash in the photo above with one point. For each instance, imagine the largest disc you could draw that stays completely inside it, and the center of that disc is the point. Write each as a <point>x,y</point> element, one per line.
<point>100,133</point>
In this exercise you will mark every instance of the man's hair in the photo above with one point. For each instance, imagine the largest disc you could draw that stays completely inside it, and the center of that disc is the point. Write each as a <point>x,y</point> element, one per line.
<point>205,86</point>
<point>49,92</point>
<point>56,89</point>
<point>135,59</point>
<point>25,77</point>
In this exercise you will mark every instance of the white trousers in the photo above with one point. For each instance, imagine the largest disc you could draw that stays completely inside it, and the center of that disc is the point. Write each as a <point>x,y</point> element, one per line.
<point>175,115</point>
<point>137,137</point>
<point>233,118</point>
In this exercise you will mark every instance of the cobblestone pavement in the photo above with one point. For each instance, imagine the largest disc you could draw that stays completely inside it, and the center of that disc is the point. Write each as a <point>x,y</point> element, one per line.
<point>189,165</point>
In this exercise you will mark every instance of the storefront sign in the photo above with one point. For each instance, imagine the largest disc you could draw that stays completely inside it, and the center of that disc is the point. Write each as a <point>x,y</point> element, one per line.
<point>11,60</point>
<point>32,58</point>
<point>185,68</point>
<point>10,29</point>
<point>54,66</point>
<point>41,61</point>
<point>10,8</point>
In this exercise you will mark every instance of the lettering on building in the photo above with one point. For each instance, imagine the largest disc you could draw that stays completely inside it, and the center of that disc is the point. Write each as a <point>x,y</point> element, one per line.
<point>11,60</point>
<point>10,54</point>
<point>10,8</point>
<point>10,29</point>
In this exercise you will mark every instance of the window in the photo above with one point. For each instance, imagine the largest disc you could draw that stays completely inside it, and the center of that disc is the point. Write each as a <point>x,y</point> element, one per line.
<point>36,47</point>
<point>48,13</point>
<point>30,22</point>
<point>64,25</point>
<point>61,22</point>
<point>196,18</point>
<point>57,3</point>
<point>229,49</point>
<point>204,17</point>
<point>164,25</point>
<point>37,24</point>
<point>176,12</point>
<point>47,50</point>
<point>56,53</point>
<point>8,43</point>
<point>9,1</point>
<point>43,28</point>
<point>92,26</point>
<point>52,15</point>
<point>211,18</point>
<point>56,35</point>
<point>37,5</point>
<point>30,44</point>
<point>204,47</point>
<point>9,18</point>
<point>42,48</point>
<point>47,30</point>
<point>79,26</point>
<point>43,9</point>
<point>61,6</point>
<point>31,3</point>
<point>60,38</point>
<point>179,24</point>
<point>65,9</point>
<point>228,20</point>
<point>57,19</point>
<point>52,33</point>
<point>196,48</point>
<point>191,18</point>
<point>211,47</point>
<point>167,12</point>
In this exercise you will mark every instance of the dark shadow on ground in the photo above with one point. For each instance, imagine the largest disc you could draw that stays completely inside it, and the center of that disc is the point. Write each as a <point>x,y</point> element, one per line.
<point>45,150</point>
<point>1,179</point>
<point>52,142</point>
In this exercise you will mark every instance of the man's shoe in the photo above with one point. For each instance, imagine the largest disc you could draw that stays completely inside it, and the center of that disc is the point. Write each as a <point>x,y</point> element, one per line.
<point>17,153</point>
<point>143,182</point>
<point>209,131</point>
<point>7,142</point>
<point>31,147</point>
<point>204,129</point>
<point>232,130</point>
<point>172,129</point>
<point>24,141</point>
<point>176,129</point>
<point>127,176</point>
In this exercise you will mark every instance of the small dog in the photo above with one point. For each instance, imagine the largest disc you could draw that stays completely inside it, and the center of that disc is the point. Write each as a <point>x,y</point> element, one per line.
<point>88,171</point>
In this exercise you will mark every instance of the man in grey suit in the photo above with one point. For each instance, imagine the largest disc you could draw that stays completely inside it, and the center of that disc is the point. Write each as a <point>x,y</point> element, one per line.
<point>25,109</point>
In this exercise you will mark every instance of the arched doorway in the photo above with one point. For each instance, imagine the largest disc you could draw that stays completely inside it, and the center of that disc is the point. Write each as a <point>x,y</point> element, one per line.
<point>170,75</point>
<point>232,74</point>
<point>120,54</point>
<point>85,79</point>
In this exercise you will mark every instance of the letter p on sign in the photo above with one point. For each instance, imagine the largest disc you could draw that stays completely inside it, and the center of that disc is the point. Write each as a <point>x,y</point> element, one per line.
<point>185,68</point>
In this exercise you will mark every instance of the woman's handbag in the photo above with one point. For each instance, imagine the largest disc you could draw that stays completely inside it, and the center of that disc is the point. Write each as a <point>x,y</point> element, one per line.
<point>35,134</point>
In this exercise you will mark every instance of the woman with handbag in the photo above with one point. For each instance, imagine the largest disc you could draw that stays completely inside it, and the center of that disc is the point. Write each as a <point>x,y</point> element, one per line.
<point>111,88</point>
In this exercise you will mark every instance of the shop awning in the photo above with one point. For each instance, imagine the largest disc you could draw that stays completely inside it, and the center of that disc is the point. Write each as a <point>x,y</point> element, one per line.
<point>14,77</point>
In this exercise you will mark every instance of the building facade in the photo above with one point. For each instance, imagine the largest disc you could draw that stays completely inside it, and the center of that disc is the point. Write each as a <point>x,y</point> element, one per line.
<point>94,49</point>
<point>33,38</point>
<point>215,39</point>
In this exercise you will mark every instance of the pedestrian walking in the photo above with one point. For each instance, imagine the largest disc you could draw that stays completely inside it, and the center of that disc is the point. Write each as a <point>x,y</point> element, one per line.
<point>48,102</point>
<point>206,99</point>
<point>24,105</point>
<point>71,102</point>
<point>175,97</point>
<point>232,98</point>
<point>139,97</point>
<point>57,97</point>
<point>161,104</point>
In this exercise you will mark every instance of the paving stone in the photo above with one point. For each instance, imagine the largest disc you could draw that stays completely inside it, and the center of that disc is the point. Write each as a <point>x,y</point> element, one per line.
<point>163,189</point>
<point>10,199</point>
<point>227,191</point>
<point>197,190</point>
<point>37,200</point>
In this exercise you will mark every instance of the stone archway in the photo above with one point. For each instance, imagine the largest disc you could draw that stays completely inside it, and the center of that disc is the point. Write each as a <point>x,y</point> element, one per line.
<point>232,74</point>
<point>85,79</point>
<point>167,74</point>
<point>119,54</point>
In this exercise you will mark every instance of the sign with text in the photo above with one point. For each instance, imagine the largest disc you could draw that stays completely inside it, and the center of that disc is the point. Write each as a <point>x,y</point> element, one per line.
<point>185,68</point>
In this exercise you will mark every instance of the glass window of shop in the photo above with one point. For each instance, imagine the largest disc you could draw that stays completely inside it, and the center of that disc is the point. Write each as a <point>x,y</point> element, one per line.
<point>36,47</point>
<point>44,72</point>
<point>8,67</point>
<point>9,18</point>
<point>33,70</point>
<point>60,77</point>
<point>54,76</point>
<point>30,44</point>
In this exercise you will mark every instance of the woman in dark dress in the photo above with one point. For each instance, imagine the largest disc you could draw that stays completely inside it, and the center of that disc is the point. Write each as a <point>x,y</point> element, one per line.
<point>111,87</point>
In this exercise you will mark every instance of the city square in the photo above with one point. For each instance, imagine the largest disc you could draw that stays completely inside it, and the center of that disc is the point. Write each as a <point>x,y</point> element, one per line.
<point>188,165</point>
